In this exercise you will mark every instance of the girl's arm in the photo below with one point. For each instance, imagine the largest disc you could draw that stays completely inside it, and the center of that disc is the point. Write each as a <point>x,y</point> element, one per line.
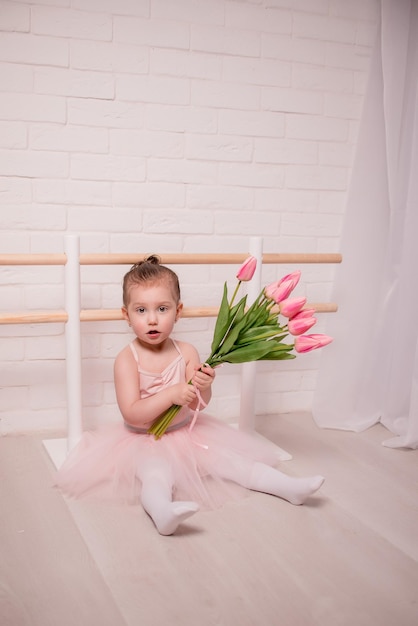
<point>201,375</point>
<point>142,412</point>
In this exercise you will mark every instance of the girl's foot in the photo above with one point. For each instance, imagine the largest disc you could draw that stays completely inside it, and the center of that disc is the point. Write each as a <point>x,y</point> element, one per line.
<point>175,514</point>
<point>303,488</point>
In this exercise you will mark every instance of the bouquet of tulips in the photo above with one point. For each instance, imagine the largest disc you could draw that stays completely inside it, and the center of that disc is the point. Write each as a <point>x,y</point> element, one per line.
<point>254,333</point>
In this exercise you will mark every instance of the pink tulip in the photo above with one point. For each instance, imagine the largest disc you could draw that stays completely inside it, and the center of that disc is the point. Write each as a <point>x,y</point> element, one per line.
<point>297,326</point>
<point>304,313</point>
<point>306,343</point>
<point>291,306</point>
<point>283,288</point>
<point>247,269</point>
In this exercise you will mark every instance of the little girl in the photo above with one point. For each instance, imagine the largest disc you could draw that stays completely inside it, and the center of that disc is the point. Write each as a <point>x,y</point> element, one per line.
<point>199,461</point>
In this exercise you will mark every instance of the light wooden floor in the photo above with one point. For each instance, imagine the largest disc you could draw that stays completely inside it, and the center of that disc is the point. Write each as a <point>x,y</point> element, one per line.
<point>349,556</point>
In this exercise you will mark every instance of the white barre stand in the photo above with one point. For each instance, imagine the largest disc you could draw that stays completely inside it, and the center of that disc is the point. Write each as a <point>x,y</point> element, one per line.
<point>249,370</point>
<point>58,449</point>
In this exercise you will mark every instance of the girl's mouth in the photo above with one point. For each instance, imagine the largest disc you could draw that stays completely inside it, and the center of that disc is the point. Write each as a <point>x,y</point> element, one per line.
<point>153,333</point>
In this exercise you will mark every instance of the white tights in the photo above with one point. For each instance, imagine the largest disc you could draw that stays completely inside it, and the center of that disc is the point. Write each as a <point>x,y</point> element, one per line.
<point>157,490</point>
<point>157,494</point>
<point>270,480</point>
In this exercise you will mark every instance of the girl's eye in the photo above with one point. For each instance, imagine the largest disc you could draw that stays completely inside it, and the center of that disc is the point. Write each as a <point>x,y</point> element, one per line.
<point>140,309</point>
<point>163,309</point>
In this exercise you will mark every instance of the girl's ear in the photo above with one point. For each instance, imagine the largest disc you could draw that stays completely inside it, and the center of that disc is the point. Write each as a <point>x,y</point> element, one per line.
<point>179,310</point>
<point>125,314</point>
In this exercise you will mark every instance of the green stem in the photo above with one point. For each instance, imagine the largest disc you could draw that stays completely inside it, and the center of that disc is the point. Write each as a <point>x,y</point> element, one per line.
<point>235,293</point>
<point>161,423</point>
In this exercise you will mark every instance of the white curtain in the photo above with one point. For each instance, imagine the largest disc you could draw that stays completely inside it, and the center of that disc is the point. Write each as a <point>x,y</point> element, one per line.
<point>370,372</point>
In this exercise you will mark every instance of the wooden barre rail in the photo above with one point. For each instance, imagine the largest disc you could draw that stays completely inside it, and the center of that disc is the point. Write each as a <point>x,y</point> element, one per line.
<point>94,315</point>
<point>168,259</point>
<point>106,315</point>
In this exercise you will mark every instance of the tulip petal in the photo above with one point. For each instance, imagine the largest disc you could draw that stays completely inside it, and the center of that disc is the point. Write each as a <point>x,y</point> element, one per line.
<point>247,269</point>
<point>291,306</point>
<point>304,313</point>
<point>306,343</point>
<point>283,288</point>
<point>301,325</point>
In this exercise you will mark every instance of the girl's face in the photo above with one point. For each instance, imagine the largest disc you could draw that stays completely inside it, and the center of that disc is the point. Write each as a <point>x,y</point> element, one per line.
<point>152,312</point>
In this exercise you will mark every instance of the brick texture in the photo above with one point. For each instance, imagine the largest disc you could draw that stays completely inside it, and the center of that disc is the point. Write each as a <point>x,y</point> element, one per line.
<point>161,126</point>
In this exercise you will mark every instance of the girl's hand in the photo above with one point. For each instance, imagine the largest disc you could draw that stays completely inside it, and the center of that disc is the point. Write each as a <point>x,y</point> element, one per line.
<point>182,394</point>
<point>203,377</point>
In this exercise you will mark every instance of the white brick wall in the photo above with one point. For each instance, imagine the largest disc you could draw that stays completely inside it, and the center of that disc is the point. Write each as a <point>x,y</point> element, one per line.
<point>161,126</point>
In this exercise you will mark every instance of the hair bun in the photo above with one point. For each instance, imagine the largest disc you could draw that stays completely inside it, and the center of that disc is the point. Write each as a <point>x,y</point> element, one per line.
<point>153,258</point>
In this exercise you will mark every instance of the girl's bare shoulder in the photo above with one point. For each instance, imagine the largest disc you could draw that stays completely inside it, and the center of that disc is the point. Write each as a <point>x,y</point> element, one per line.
<point>125,356</point>
<point>188,351</point>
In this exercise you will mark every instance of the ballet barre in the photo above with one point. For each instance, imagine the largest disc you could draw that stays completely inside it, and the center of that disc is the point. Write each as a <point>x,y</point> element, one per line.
<point>184,258</point>
<point>114,315</point>
<point>73,315</point>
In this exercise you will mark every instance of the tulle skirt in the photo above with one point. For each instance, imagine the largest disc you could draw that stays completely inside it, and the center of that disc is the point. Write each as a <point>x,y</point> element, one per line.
<point>206,464</point>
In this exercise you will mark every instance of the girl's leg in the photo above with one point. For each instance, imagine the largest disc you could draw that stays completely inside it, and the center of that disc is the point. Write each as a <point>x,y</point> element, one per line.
<point>156,497</point>
<point>295,490</point>
<point>269,480</point>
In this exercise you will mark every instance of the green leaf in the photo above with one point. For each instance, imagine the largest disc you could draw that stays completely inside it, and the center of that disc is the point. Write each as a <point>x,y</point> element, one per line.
<point>277,342</point>
<point>222,321</point>
<point>279,352</point>
<point>279,356</point>
<point>260,332</point>
<point>257,314</point>
<point>253,352</point>
<point>234,331</point>
<point>238,312</point>
<point>240,306</point>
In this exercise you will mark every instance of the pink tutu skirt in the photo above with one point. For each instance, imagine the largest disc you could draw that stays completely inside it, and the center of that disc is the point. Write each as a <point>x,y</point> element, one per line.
<point>206,463</point>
